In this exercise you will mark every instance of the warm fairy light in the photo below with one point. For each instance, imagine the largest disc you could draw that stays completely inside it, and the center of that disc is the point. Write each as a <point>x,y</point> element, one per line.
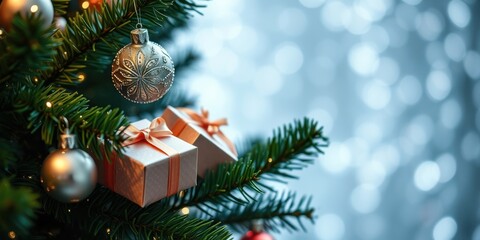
<point>81,77</point>
<point>270,160</point>
<point>108,230</point>
<point>181,194</point>
<point>49,104</point>
<point>34,8</point>
<point>85,4</point>
<point>35,79</point>
<point>12,235</point>
<point>185,210</point>
<point>69,210</point>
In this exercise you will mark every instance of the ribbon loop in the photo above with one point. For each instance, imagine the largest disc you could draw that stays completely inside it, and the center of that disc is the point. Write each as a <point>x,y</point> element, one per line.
<point>157,129</point>
<point>211,127</point>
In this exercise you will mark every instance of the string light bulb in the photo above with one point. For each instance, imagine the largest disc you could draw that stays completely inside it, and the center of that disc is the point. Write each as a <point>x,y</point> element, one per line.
<point>34,8</point>
<point>185,211</point>
<point>81,77</point>
<point>181,194</point>
<point>85,4</point>
<point>12,235</point>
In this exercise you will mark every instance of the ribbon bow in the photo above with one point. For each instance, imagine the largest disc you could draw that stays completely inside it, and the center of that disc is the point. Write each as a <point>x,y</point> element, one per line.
<point>158,129</point>
<point>211,127</point>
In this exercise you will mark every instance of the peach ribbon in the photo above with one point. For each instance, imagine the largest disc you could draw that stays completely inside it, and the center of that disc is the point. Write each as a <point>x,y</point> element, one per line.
<point>158,129</point>
<point>211,127</point>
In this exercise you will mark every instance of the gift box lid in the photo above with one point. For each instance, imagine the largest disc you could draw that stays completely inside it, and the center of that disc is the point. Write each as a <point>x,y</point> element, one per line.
<point>145,155</point>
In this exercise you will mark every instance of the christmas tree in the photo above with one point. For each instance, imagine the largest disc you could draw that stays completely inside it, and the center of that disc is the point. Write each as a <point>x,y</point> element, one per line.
<point>51,72</point>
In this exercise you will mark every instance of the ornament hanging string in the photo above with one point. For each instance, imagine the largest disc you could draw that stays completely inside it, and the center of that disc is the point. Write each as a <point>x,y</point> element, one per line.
<point>138,13</point>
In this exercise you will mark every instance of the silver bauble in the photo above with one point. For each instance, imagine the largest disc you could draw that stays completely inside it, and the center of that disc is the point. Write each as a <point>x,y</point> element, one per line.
<point>142,71</point>
<point>9,8</point>
<point>68,174</point>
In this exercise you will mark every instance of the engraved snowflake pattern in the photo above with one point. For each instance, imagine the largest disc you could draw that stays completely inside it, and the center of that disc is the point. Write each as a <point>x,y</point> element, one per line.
<point>142,77</point>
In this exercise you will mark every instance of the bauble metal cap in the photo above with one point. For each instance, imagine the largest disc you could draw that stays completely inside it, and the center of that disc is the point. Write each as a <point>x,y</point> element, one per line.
<point>139,36</point>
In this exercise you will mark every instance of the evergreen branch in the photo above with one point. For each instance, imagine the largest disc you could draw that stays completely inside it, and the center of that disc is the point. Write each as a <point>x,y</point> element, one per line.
<point>229,177</point>
<point>176,96</point>
<point>89,41</point>
<point>17,144</point>
<point>25,45</point>
<point>277,211</point>
<point>107,215</point>
<point>184,6</point>
<point>185,60</point>
<point>171,226</point>
<point>17,207</point>
<point>289,146</point>
<point>245,146</point>
<point>96,127</point>
<point>8,154</point>
<point>93,35</point>
<point>60,6</point>
<point>166,33</point>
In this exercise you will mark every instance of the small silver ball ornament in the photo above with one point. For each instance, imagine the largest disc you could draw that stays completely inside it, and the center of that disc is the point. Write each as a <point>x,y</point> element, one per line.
<point>8,8</point>
<point>68,174</point>
<point>142,71</point>
<point>60,23</point>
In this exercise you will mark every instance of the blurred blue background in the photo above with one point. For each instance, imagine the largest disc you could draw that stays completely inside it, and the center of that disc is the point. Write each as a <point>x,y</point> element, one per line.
<point>396,85</point>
